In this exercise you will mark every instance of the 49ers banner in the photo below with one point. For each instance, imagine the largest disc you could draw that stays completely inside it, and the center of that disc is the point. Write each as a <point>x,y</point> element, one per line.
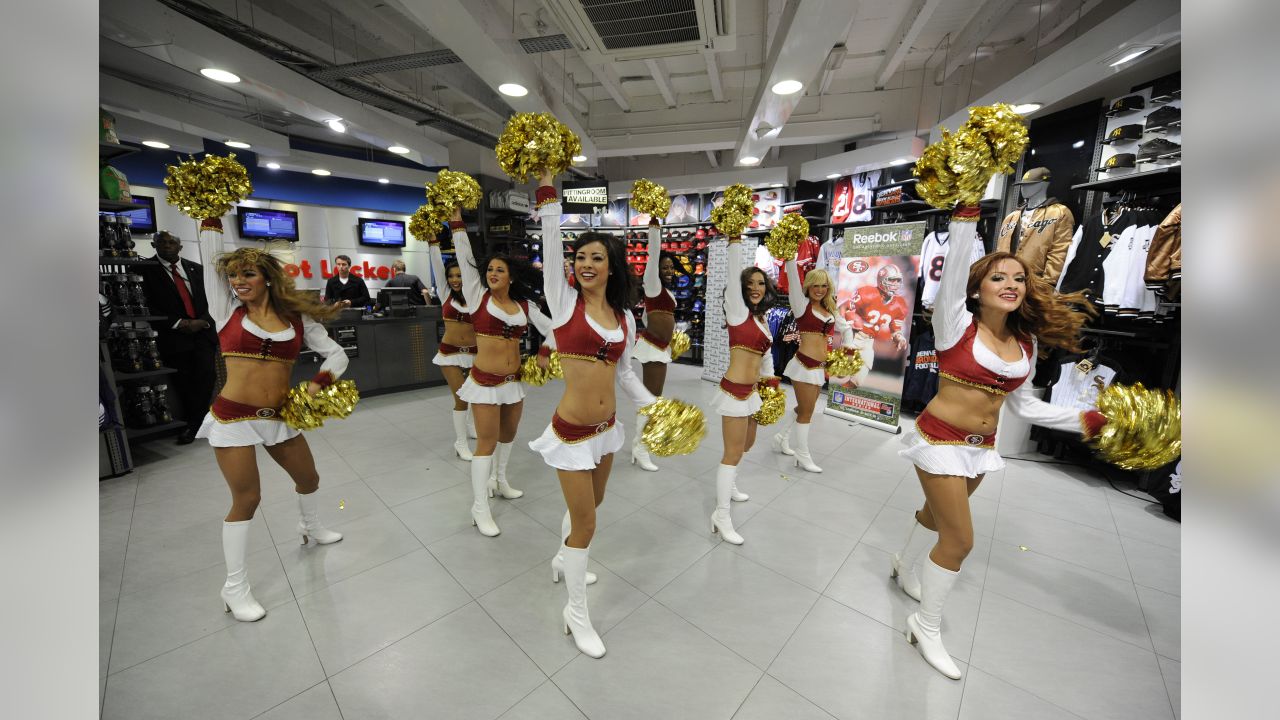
<point>876,291</point>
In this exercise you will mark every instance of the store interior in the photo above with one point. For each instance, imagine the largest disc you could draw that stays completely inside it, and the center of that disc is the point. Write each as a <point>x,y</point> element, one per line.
<point>342,111</point>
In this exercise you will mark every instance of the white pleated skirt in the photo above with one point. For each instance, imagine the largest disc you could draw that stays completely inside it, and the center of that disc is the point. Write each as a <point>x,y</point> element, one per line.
<point>647,352</point>
<point>243,433</point>
<point>585,455</point>
<point>508,393</point>
<point>462,360</point>
<point>959,460</point>
<point>799,373</point>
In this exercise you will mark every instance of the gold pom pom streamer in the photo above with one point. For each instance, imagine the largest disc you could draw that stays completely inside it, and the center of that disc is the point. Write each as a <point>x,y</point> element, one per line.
<point>680,344</point>
<point>532,374</point>
<point>451,191</point>
<point>533,142</point>
<point>307,412</point>
<point>422,227</point>
<point>208,187</point>
<point>785,237</point>
<point>1144,427</point>
<point>773,404</point>
<point>734,214</point>
<point>673,428</point>
<point>955,170</point>
<point>650,198</point>
<point>844,362</point>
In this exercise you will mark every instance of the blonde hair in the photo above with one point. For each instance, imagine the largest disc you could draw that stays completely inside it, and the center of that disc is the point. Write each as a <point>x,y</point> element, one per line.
<point>819,277</point>
<point>286,299</point>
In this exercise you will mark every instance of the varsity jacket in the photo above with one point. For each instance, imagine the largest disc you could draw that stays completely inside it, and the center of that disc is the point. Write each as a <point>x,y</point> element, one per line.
<point>1044,238</point>
<point>1164,258</point>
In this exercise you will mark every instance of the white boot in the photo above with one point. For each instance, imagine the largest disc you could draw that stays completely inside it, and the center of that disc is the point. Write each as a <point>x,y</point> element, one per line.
<point>480,515</point>
<point>236,597</point>
<point>735,494</point>
<point>803,458</point>
<point>782,440</point>
<point>498,477</point>
<point>576,619</point>
<point>471,425</point>
<point>309,523</point>
<point>721,520</point>
<point>460,446</point>
<point>902,566</point>
<point>924,626</point>
<point>639,451</point>
<point>557,562</point>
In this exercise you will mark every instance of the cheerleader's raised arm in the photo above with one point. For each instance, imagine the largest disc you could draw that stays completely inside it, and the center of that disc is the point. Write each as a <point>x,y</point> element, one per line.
<point>472,286</point>
<point>653,270</point>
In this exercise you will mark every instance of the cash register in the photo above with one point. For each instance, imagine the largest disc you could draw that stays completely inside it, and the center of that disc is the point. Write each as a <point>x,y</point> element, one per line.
<point>394,302</point>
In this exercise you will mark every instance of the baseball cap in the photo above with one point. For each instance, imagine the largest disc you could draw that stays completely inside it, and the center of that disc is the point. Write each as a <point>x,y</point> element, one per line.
<point>1119,160</point>
<point>1128,103</point>
<point>1124,133</point>
<point>1034,175</point>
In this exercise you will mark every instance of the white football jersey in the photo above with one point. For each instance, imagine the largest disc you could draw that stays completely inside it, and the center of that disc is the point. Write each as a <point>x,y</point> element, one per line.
<point>862,199</point>
<point>1078,387</point>
<point>933,254</point>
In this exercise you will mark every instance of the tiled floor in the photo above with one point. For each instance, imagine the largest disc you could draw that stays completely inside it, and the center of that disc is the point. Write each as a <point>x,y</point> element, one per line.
<point>1067,608</point>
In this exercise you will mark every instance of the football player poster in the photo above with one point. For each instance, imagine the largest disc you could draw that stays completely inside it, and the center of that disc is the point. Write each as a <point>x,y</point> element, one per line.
<point>875,292</point>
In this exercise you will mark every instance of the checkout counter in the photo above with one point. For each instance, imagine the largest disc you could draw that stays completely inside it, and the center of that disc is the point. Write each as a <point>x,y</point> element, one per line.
<point>388,353</point>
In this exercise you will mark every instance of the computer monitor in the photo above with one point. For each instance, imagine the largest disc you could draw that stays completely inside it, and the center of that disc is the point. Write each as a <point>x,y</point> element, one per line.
<point>393,296</point>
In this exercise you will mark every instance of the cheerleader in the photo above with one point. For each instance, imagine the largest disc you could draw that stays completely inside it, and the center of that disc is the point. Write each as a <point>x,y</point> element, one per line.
<point>261,331</point>
<point>750,360</point>
<point>457,351</point>
<point>595,333</point>
<point>987,322</point>
<point>500,314</point>
<point>653,346</point>
<point>814,306</point>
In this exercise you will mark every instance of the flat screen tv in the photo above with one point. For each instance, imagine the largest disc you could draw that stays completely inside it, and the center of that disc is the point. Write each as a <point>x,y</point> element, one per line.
<point>259,223</point>
<point>144,218</point>
<point>381,233</point>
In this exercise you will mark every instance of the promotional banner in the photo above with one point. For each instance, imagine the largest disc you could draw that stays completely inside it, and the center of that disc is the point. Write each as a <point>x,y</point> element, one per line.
<point>876,292</point>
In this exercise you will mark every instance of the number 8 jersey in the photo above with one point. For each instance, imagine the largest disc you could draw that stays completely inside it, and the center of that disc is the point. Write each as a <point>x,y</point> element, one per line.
<point>933,255</point>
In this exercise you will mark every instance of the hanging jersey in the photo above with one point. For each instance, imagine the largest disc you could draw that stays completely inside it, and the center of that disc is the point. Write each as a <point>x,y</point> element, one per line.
<point>1078,384</point>
<point>877,317</point>
<point>862,185</point>
<point>933,255</point>
<point>806,259</point>
<point>921,381</point>
<point>829,256</point>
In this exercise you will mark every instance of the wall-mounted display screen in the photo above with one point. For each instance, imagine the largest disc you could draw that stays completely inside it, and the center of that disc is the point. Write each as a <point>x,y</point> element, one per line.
<point>263,224</point>
<point>381,233</point>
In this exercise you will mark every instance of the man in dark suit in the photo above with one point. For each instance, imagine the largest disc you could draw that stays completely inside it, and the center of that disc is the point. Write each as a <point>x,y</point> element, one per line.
<point>418,293</point>
<point>187,339</point>
<point>344,287</point>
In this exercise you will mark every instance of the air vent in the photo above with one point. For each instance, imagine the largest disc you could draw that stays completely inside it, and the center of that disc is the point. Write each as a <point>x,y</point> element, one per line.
<point>618,30</point>
<point>643,22</point>
<point>550,43</point>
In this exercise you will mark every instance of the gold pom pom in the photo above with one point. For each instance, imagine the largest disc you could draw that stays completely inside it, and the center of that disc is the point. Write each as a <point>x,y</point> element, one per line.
<point>844,362</point>
<point>785,237</point>
<point>450,191</point>
<point>955,170</point>
<point>533,142</point>
<point>734,214</point>
<point>773,404</point>
<point>306,412</point>
<point>680,344</point>
<point>532,374</point>
<point>422,226</point>
<point>650,198</point>
<point>208,187</point>
<point>1144,427</point>
<point>673,428</point>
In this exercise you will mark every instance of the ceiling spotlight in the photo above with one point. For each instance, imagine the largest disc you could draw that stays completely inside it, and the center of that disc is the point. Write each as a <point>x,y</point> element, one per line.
<point>788,87</point>
<point>1077,144</point>
<point>901,161</point>
<point>321,172</point>
<point>776,185</point>
<point>337,126</point>
<point>384,181</point>
<point>398,149</point>
<point>221,76</point>
<point>513,89</point>
<point>833,176</point>
<point>748,160</point>
<point>238,145</point>
<point>1129,53</point>
<point>156,144</point>
<point>579,158</point>
<point>273,166</point>
<point>1025,108</point>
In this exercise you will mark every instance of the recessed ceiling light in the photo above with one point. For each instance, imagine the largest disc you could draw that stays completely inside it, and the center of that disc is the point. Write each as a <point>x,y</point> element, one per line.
<point>156,144</point>
<point>384,181</point>
<point>221,76</point>
<point>1077,144</point>
<point>748,160</point>
<point>238,145</point>
<point>1131,53</point>
<point>819,196</point>
<point>398,149</point>
<point>513,89</point>
<point>833,176</point>
<point>1025,108</point>
<point>776,185</point>
<point>579,158</point>
<point>788,87</point>
<point>337,126</point>
<point>321,172</point>
<point>273,166</point>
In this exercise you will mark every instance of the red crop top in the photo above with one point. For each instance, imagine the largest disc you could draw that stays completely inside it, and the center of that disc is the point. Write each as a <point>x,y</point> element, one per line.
<point>958,364</point>
<point>236,341</point>
<point>490,326</point>
<point>451,312</point>
<point>749,336</point>
<point>809,322</point>
<point>663,302</point>
<point>578,339</point>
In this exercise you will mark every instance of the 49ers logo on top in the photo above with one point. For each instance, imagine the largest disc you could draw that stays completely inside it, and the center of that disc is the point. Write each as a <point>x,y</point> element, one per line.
<point>858,266</point>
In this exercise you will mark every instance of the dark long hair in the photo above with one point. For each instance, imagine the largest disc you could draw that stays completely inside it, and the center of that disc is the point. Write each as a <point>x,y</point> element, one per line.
<point>1044,315</point>
<point>523,277</point>
<point>620,289</point>
<point>770,292</point>
<point>455,295</point>
<point>664,255</point>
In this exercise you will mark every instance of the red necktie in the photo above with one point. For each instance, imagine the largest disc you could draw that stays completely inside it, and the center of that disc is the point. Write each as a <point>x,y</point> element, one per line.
<point>182,291</point>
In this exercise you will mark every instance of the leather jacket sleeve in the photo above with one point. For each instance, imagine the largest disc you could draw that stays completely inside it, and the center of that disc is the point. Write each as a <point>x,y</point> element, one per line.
<point>1055,252</point>
<point>1164,259</point>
